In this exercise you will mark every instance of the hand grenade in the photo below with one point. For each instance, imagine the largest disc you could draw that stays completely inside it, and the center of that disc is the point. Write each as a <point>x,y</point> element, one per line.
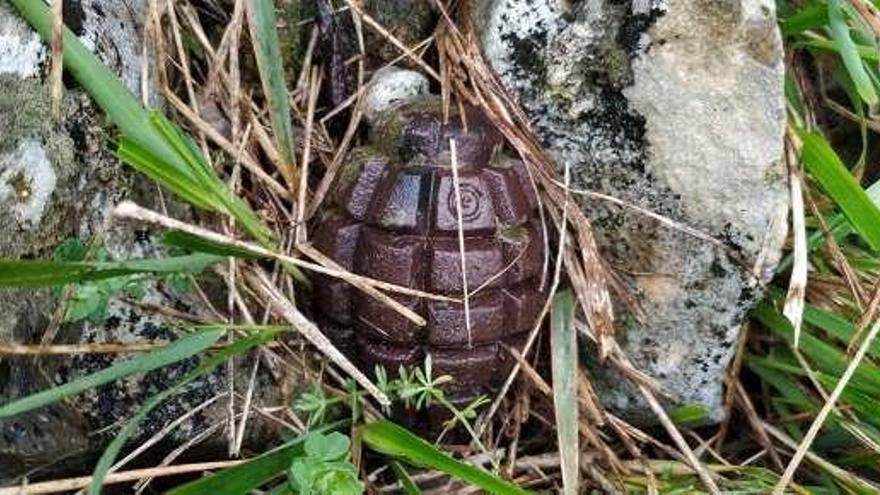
<point>394,217</point>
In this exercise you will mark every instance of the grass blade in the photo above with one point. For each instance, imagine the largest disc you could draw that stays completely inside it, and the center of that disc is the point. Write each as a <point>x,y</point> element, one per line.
<point>408,486</point>
<point>867,53</point>
<point>689,414</point>
<point>827,168</point>
<point>178,350</point>
<point>138,157</point>
<point>207,178</point>
<point>244,478</point>
<point>32,273</point>
<point>183,240</point>
<point>807,18</point>
<point>827,409</point>
<point>112,450</point>
<point>388,438</point>
<point>39,273</point>
<point>835,325</point>
<point>190,263</point>
<point>785,381</point>
<point>837,226</point>
<point>262,23</point>
<point>563,345</point>
<point>102,85</point>
<point>826,357</point>
<point>850,54</point>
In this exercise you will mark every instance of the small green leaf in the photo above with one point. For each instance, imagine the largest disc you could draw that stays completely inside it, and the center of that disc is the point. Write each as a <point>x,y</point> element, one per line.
<point>88,301</point>
<point>327,447</point>
<point>325,467</point>
<point>178,282</point>
<point>388,438</point>
<point>134,287</point>
<point>689,413</point>
<point>71,249</point>
<point>301,477</point>
<point>338,478</point>
<point>244,478</point>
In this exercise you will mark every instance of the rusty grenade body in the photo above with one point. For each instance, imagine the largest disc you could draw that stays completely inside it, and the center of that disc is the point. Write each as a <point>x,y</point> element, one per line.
<point>394,218</point>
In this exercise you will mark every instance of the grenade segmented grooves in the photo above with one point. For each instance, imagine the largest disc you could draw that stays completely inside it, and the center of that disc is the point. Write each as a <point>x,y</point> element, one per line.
<point>394,219</point>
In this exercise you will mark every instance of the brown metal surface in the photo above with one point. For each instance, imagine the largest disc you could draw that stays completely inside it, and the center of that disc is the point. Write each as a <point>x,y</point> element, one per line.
<point>394,219</point>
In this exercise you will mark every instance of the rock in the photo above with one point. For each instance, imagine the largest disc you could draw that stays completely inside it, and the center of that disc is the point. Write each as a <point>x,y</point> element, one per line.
<point>391,87</point>
<point>21,51</point>
<point>26,182</point>
<point>36,156</point>
<point>50,434</point>
<point>59,180</point>
<point>677,107</point>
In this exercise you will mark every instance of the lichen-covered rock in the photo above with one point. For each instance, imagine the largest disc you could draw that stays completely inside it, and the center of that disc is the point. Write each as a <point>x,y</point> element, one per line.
<point>36,156</point>
<point>391,87</point>
<point>21,51</point>
<point>675,106</point>
<point>59,180</point>
<point>26,182</point>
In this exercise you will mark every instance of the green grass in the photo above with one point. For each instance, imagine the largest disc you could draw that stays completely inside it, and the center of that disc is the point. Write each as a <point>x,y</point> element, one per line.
<point>247,477</point>
<point>149,142</point>
<point>39,273</point>
<point>563,342</point>
<point>262,22</point>
<point>831,174</point>
<point>393,440</point>
<point>791,387</point>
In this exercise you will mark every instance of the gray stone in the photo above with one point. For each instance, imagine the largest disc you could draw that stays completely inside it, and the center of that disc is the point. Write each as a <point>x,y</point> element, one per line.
<point>391,87</point>
<point>21,50</point>
<point>60,180</point>
<point>677,107</point>
<point>27,179</point>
